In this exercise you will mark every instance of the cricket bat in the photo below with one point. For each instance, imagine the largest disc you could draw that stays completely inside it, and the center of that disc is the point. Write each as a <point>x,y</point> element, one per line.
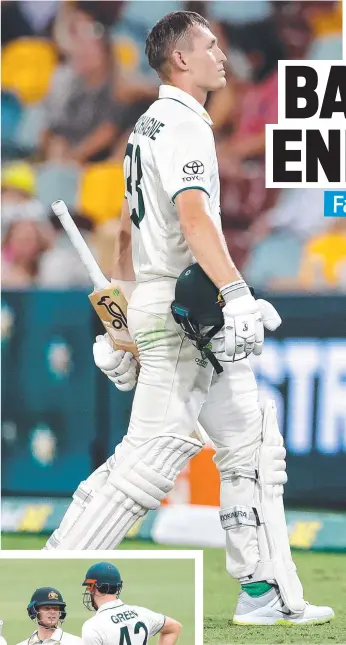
<point>107,299</point>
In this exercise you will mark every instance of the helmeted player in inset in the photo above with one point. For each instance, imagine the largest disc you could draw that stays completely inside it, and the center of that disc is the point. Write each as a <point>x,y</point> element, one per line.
<point>48,609</point>
<point>171,221</point>
<point>115,622</point>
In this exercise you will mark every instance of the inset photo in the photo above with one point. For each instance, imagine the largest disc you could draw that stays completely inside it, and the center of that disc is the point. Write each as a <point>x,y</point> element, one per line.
<point>99,601</point>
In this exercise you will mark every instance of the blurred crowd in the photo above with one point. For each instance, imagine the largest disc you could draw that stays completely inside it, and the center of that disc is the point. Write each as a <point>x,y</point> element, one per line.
<point>74,81</point>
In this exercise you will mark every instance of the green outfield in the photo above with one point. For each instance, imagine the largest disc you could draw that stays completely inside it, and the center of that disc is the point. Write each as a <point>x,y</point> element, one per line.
<point>324,579</point>
<point>323,576</point>
<point>165,586</point>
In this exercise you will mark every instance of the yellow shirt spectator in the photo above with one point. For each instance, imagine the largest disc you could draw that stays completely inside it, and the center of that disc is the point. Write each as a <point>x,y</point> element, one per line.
<point>324,260</point>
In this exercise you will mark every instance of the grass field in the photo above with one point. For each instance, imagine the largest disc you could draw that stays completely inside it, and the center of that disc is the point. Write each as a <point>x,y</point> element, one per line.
<point>324,580</point>
<point>165,586</point>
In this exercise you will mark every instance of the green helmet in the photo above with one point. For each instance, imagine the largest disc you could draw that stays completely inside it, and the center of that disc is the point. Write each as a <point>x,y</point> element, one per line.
<point>198,304</point>
<point>103,576</point>
<point>46,597</point>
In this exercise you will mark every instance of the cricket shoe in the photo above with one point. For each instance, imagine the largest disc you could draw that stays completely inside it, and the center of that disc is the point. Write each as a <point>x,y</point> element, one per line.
<point>269,609</point>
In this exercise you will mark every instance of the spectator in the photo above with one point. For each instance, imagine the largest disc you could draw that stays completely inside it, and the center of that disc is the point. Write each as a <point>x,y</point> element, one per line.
<point>325,19</point>
<point>293,28</point>
<point>18,195</point>
<point>80,109</point>
<point>130,92</point>
<point>22,248</point>
<point>323,265</point>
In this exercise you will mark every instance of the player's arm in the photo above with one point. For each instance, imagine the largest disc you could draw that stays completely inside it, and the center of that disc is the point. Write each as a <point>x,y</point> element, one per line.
<point>192,152</point>
<point>192,142</point>
<point>170,632</point>
<point>205,241</point>
<point>122,266</point>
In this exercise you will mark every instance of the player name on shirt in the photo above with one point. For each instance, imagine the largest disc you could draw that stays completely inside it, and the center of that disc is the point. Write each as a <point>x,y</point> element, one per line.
<point>122,617</point>
<point>148,126</point>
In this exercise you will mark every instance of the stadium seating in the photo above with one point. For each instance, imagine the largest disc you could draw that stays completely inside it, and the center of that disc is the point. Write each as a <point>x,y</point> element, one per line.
<point>101,191</point>
<point>27,67</point>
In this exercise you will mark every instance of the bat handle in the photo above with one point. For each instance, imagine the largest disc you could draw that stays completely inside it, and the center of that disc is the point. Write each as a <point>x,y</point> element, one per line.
<point>60,209</point>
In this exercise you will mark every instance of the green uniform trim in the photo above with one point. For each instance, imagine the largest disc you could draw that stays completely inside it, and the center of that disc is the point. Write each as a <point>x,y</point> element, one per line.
<point>256,589</point>
<point>189,188</point>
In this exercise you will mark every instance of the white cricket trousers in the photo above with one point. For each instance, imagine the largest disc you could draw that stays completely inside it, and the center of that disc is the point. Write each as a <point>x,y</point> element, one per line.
<point>176,388</point>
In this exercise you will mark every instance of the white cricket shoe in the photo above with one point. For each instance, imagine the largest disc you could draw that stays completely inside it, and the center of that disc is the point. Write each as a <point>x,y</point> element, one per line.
<point>269,609</point>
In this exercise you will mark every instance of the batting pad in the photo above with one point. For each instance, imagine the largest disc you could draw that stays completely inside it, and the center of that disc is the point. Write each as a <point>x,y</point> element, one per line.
<point>257,538</point>
<point>80,499</point>
<point>137,483</point>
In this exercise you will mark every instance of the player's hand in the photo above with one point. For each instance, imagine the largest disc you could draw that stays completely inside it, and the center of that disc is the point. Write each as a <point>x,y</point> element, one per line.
<point>271,318</point>
<point>119,366</point>
<point>244,330</point>
<point>245,319</point>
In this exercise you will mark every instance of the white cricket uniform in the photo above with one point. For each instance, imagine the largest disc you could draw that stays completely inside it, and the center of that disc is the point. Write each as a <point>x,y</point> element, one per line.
<point>116,623</point>
<point>57,637</point>
<point>172,149</point>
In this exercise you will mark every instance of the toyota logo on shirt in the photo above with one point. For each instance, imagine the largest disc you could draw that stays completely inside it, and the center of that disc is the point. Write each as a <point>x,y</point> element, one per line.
<point>194,168</point>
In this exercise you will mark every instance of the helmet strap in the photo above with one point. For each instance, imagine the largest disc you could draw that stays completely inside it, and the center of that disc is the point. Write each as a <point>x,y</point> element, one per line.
<point>201,344</point>
<point>201,341</point>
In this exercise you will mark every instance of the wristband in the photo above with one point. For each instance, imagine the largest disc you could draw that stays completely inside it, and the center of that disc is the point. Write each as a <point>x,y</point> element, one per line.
<point>235,290</point>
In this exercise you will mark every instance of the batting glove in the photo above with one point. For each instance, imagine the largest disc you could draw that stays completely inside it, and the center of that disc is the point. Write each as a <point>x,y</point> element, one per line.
<point>118,365</point>
<point>244,329</point>
<point>270,317</point>
<point>245,319</point>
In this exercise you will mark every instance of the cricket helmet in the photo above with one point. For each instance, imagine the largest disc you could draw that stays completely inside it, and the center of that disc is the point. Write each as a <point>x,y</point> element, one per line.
<point>103,576</point>
<point>198,306</point>
<point>46,597</point>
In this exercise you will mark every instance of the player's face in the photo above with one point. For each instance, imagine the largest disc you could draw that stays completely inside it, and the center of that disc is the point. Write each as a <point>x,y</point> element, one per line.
<point>206,60</point>
<point>89,598</point>
<point>49,616</point>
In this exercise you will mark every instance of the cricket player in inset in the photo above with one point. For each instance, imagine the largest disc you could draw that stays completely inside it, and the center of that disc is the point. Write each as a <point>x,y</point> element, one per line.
<point>171,243</point>
<point>116,623</point>
<point>48,609</point>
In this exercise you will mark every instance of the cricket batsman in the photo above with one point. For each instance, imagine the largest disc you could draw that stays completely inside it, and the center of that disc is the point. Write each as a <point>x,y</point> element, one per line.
<point>171,235</point>
<point>116,622</point>
<point>48,609</point>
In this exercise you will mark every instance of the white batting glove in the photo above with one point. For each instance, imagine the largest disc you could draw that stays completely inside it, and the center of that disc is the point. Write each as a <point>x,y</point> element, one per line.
<point>245,318</point>
<point>270,317</point>
<point>244,331</point>
<point>118,365</point>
